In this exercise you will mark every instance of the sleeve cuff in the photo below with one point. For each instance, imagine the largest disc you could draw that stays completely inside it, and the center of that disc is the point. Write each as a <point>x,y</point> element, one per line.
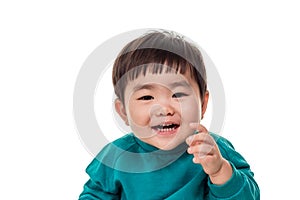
<point>230,188</point>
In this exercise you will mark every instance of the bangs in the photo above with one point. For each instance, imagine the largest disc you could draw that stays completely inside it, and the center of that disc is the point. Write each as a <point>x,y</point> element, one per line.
<point>157,53</point>
<point>160,62</point>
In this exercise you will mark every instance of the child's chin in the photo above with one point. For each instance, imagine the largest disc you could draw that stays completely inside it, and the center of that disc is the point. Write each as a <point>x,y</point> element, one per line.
<point>170,146</point>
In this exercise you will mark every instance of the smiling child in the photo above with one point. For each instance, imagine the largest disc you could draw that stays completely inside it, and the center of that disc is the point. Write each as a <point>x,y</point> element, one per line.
<point>161,88</point>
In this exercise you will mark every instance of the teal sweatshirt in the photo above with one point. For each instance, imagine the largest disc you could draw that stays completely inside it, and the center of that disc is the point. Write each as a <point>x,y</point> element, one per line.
<point>131,169</point>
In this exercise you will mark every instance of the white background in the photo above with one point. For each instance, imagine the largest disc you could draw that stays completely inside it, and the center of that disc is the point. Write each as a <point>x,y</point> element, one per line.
<point>254,45</point>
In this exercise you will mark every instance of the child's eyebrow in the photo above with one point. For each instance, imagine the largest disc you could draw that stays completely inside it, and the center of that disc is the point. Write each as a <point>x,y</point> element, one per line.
<point>144,86</point>
<point>171,86</point>
<point>180,84</point>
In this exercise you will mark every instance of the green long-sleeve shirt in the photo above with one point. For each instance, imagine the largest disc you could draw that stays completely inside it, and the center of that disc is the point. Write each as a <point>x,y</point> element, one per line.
<point>131,169</point>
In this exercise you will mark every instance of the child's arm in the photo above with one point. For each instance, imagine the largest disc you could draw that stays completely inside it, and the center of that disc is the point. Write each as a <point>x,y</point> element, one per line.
<point>101,183</point>
<point>230,175</point>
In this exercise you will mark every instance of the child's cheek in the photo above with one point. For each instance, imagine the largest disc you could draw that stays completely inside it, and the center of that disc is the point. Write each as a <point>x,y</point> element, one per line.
<point>138,116</point>
<point>190,111</point>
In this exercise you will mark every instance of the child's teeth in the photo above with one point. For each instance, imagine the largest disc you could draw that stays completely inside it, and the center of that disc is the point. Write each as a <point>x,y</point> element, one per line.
<point>166,129</point>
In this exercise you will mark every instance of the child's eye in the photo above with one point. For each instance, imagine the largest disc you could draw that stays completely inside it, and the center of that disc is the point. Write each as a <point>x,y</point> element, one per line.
<point>179,95</point>
<point>146,98</point>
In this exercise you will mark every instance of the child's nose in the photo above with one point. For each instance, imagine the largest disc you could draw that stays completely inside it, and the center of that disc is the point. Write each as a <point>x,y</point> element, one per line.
<point>163,110</point>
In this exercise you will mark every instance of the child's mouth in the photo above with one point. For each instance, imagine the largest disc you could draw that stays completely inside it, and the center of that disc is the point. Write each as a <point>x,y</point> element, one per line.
<point>166,129</point>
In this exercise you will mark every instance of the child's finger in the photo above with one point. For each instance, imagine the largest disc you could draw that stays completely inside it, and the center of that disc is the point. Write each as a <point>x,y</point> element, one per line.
<point>200,138</point>
<point>201,150</point>
<point>198,127</point>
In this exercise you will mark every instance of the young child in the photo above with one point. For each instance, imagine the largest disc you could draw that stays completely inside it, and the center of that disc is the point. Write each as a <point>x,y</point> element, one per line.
<point>161,88</point>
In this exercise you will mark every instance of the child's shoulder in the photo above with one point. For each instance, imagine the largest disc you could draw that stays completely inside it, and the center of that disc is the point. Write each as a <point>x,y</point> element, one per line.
<point>226,148</point>
<point>119,145</point>
<point>220,140</point>
<point>113,150</point>
<point>125,142</point>
<point>224,144</point>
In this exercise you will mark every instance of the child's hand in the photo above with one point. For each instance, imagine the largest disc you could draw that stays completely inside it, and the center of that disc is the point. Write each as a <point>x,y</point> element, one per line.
<point>207,153</point>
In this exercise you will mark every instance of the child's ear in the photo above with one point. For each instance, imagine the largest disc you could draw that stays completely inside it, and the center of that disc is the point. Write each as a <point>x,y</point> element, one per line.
<point>204,103</point>
<point>120,108</point>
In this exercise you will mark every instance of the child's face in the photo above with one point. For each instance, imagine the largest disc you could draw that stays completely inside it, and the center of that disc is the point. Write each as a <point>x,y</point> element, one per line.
<point>160,107</point>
